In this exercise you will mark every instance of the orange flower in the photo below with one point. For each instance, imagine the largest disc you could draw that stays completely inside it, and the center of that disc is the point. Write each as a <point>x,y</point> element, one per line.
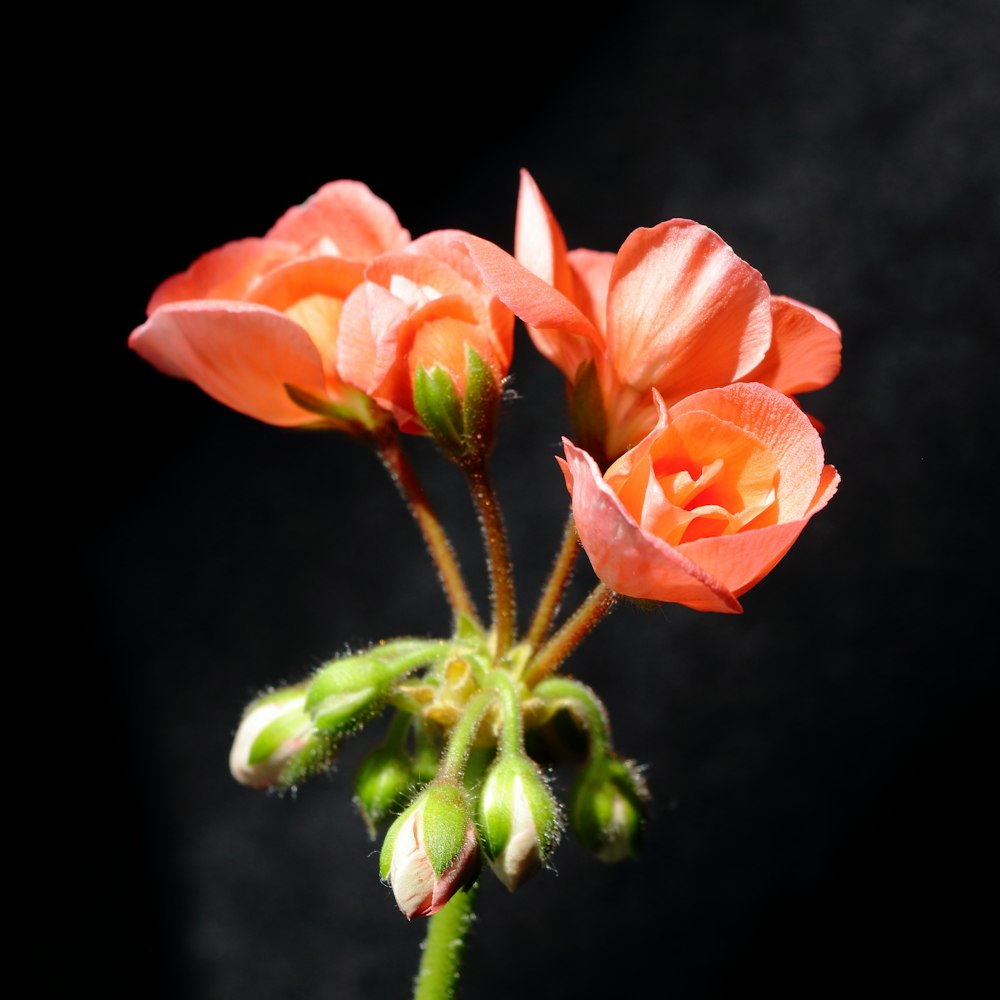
<point>707,503</point>
<point>675,310</point>
<point>254,323</point>
<point>424,307</point>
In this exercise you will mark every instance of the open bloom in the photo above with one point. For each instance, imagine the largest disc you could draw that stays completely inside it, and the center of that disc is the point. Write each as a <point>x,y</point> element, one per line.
<point>424,307</point>
<point>676,310</point>
<point>254,323</point>
<point>707,503</point>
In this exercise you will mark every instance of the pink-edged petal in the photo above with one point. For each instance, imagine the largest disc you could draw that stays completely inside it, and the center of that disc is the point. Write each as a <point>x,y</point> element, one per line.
<point>342,219</point>
<point>558,329</point>
<point>805,348</point>
<point>242,355</point>
<point>228,272</point>
<point>539,244</point>
<point>745,558</point>
<point>783,429</point>
<point>627,559</point>
<point>684,312</point>
<point>369,323</point>
<point>591,271</point>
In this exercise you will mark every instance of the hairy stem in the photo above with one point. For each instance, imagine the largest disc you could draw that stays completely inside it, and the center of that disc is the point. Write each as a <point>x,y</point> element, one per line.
<point>576,628</point>
<point>444,946</point>
<point>559,576</point>
<point>497,553</point>
<point>406,481</point>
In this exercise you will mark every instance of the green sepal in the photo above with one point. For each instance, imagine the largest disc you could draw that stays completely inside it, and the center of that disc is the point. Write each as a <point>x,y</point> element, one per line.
<point>608,804</point>
<point>446,823</point>
<point>468,630</point>
<point>437,405</point>
<point>362,418</point>
<point>385,855</point>
<point>497,802</point>
<point>296,723</point>
<point>587,412</point>
<point>383,785</point>
<point>479,408</point>
<point>313,758</point>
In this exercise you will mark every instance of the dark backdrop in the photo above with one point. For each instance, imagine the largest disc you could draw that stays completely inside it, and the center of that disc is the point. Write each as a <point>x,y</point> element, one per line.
<point>819,763</point>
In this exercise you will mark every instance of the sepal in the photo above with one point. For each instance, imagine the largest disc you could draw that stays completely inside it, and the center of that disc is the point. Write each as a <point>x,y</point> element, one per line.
<point>608,805</point>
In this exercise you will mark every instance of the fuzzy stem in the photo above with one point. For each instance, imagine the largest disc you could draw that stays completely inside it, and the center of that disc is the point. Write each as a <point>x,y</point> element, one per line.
<point>463,733</point>
<point>580,624</point>
<point>444,946</point>
<point>511,737</point>
<point>449,572</point>
<point>559,576</point>
<point>497,552</point>
<point>584,704</point>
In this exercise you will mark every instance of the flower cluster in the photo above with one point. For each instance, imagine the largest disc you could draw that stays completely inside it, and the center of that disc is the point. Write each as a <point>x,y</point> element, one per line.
<point>691,471</point>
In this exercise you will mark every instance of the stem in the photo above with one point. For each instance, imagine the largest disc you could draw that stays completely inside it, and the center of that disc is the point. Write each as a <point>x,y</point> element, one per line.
<point>585,705</point>
<point>559,576</point>
<point>497,553</point>
<point>463,733</point>
<point>511,739</point>
<point>444,946</point>
<point>449,572</point>
<point>582,622</point>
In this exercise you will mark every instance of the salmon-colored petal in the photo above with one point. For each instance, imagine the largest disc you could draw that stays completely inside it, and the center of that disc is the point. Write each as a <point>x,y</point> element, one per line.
<point>369,321</point>
<point>745,558</point>
<point>781,426</point>
<point>342,219</point>
<point>591,278</point>
<point>227,272</point>
<point>626,558</point>
<point>539,243</point>
<point>684,312</point>
<point>558,329</point>
<point>298,279</point>
<point>242,355</point>
<point>805,348</point>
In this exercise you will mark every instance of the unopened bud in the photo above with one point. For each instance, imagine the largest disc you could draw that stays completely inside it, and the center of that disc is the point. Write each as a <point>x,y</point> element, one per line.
<point>383,785</point>
<point>519,818</point>
<point>276,743</point>
<point>607,808</point>
<point>430,851</point>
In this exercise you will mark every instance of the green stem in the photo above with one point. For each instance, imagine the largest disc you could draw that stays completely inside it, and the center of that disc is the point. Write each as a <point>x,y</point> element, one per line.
<point>511,738</point>
<point>582,622</point>
<point>559,576</point>
<point>444,947</point>
<point>497,553</point>
<point>463,733</point>
<point>584,704</point>
<point>449,572</point>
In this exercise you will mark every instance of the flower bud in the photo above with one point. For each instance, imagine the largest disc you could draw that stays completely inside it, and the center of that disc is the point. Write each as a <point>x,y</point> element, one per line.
<point>430,852</point>
<point>383,785</point>
<point>276,742</point>
<point>519,819</point>
<point>607,808</point>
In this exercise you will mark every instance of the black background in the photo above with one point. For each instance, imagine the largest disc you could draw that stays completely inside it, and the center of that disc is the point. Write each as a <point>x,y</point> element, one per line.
<point>821,764</point>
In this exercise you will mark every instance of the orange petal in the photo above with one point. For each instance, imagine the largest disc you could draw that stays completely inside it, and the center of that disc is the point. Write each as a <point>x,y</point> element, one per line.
<point>805,348</point>
<point>227,272</point>
<point>745,558</point>
<point>783,429</point>
<point>626,558</point>
<point>342,219</point>
<point>684,312</point>
<point>539,244</point>
<point>559,330</point>
<point>242,355</point>
<point>591,279</point>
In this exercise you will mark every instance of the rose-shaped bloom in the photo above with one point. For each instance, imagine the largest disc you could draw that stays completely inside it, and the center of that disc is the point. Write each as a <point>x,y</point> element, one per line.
<point>707,503</point>
<point>254,323</point>
<point>676,310</point>
<point>424,308</point>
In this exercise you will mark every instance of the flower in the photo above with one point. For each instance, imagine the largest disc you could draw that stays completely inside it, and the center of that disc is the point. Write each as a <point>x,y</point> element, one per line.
<point>707,503</point>
<point>254,323</point>
<point>425,307</point>
<point>675,310</point>
<point>431,851</point>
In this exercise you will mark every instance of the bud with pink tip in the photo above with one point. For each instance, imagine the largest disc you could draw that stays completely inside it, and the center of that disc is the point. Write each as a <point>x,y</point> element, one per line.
<point>430,851</point>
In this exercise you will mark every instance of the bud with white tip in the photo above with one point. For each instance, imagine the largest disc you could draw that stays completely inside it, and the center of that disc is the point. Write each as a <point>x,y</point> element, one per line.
<point>519,819</point>
<point>607,808</point>
<point>431,851</point>
<point>276,743</point>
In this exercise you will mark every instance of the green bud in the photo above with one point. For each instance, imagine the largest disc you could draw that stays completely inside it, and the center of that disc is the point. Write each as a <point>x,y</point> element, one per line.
<point>383,785</point>
<point>277,744</point>
<point>608,804</point>
<point>431,850</point>
<point>519,819</point>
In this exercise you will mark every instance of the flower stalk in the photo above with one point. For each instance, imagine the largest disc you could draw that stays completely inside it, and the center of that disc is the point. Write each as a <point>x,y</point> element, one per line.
<point>444,947</point>
<point>562,569</point>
